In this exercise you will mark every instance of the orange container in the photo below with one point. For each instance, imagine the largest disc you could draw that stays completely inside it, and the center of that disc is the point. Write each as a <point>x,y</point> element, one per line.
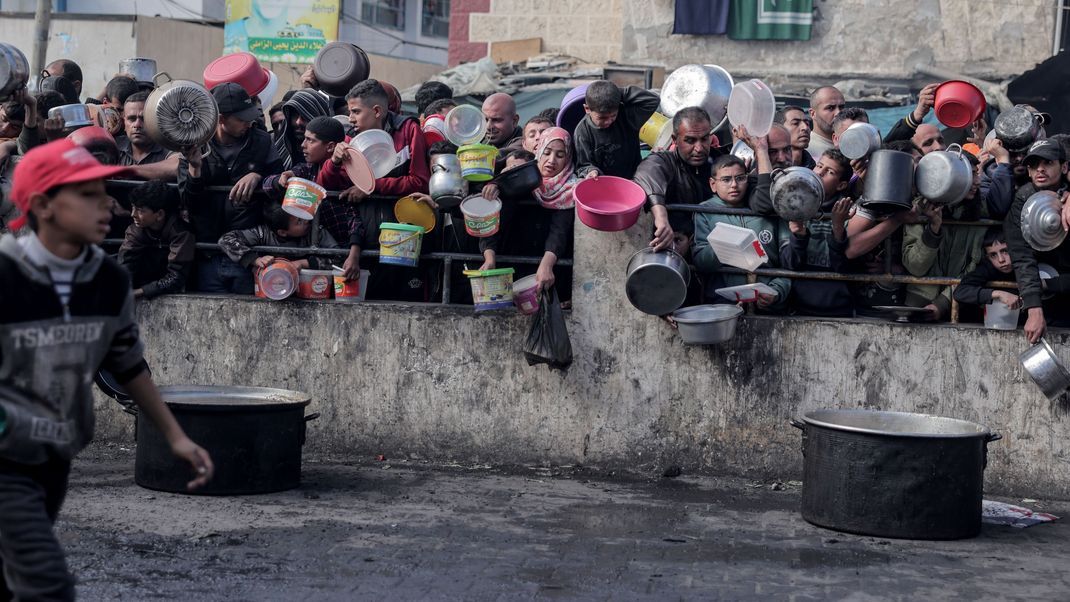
<point>277,281</point>
<point>316,284</point>
<point>350,291</point>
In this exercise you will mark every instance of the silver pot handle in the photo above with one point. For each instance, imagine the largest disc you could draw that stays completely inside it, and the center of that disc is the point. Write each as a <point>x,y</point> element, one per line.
<point>157,76</point>
<point>955,146</point>
<point>993,437</point>
<point>795,422</point>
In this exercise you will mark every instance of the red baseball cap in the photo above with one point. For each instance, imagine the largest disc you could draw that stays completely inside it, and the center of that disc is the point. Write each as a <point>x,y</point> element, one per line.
<point>54,164</point>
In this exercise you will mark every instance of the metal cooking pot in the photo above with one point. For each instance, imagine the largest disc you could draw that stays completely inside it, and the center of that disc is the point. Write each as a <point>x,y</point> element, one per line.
<point>1042,225</point>
<point>1017,128</point>
<point>74,116</point>
<point>14,70</point>
<point>339,66</point>
<point>447,186</point>
<point>657,281</point>
<point>707,324</point>
<point>253,434</point>
<point>706,86</point>
<point>893,474</point>
<point>797,193</point>
<point>944,177</point>
<point>744,152</point>
<point>519,181</point>
<point>859,140</point>
<point>1045,368</point>
<point>142,70</point>
<point>180,113</point>
<point>889,183</point>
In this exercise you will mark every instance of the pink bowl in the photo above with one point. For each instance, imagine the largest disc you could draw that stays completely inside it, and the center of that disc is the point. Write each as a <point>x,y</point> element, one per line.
<point>608,203</point>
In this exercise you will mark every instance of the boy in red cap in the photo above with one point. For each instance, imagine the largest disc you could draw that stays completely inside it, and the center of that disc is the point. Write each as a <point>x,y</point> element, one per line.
<point>66,311</point>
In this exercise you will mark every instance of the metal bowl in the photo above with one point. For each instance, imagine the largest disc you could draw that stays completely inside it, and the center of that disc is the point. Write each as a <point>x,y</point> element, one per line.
<point>707,324</point>
<point>1045,368</point>
<point>859,140</point>
<point>744,152</point>
<point>520,180</point>
<point>72,115</point>
<point>1042,225</point>
<point>706,86</point>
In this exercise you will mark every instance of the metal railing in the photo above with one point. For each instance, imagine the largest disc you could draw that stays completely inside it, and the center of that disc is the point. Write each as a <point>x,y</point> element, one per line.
<point>447,258</point>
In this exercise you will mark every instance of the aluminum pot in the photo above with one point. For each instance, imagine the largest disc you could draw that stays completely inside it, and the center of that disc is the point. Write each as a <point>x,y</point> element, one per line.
<point>339,66</point>
<point>657,281</point>
<point>253,434</point>
<point>1042,226</point>
<point>706,86</point>
<point>180,113</point>
<point>893,474</point>
<point>797,193</point>
<point>1045,368</point>
<point>142,70</point>
<point>447,187</point>
<point>519,181</point>
<point>14,70</point>
<point>707,324</point>
<point>889,183</point>
<point>944,177</point>
<point>74,116</point>
<point>1018,127</point>
<point>859,140</point>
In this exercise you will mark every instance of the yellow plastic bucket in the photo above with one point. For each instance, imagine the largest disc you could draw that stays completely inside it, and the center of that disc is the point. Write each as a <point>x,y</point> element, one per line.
<point>491,289</point>
<point>657,132</point>
<point>477,161</point>
<point>399,244</point>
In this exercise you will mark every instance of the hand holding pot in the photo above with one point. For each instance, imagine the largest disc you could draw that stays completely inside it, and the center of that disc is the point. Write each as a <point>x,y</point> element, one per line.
<point>797,228</point>
<point>994,146</point>
<point>1011,300</point>
<point>53,128</point>
<point>308,78</point>
<point>841,212</point>
<point>352,195</point>
<point>263,261</point>
<point>926,99</point>
<point>490,192</point>
<point>426,199</point>
<point>1035,325</point>
<point>662,229</point>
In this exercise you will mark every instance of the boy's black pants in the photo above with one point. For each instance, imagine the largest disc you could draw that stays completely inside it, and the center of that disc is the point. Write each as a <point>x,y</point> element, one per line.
<point>32,560</point>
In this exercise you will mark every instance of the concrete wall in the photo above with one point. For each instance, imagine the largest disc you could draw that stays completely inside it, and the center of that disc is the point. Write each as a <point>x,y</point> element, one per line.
<point>181,49</point>
<point>444,383</point>
<point>587,29</point>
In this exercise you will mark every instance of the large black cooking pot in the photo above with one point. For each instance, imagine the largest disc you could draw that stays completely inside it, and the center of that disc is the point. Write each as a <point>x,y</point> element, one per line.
<point>893,474</point>
<point>253,434</point>
<point>889,185</point>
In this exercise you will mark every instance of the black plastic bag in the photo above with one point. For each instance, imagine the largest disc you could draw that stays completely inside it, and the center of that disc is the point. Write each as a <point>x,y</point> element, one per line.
<point>547,341</point>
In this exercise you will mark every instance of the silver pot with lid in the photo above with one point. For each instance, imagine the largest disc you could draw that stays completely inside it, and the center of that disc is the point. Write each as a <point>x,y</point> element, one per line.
<point>1042,225</point>
<point>180,114</point>
<point>447,187</point>
<point>657,281</point>
<point>944,177</point>
<point>14,70</point>
<point>797,193</point>
<point>706,86</point>
<point>1018,127</point>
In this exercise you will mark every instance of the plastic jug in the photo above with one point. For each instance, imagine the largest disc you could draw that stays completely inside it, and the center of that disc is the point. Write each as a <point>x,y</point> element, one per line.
<point>1001,317</point>
<point>736,246</point>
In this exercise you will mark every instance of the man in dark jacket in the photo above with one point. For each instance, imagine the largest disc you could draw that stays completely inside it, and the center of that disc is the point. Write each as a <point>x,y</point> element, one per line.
<point>239,156</point>
<point>607,139</point>
<point>159,247</point>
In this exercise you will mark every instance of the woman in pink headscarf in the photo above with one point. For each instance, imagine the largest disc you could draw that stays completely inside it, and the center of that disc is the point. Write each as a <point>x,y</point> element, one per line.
<point>554,156</point>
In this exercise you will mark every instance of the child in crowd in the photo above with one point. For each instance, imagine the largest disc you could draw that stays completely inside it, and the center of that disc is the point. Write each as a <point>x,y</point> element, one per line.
<point>995,267</point>
<point>441,106</point>
<point>820,246</point>
<point>730,188</point>
<point>532,130</point>
<point>607,140</point>
<point>280,230</point>
<point>67,313</point>
<point>159,246</point>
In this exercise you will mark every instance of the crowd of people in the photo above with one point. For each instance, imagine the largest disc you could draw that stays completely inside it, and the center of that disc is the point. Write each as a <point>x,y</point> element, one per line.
<point>256,150</point>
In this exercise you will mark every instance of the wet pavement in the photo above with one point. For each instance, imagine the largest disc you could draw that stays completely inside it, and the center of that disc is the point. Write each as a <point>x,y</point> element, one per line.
<point>410,530</point>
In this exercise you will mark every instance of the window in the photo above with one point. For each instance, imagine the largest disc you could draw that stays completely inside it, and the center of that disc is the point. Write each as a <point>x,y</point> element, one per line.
<point>436,19</point>
<point>384,13</point>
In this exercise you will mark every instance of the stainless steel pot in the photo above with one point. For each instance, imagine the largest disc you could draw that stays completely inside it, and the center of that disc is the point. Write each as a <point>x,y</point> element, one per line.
<point>797,193</point>
<point>142,70</point>
<point>707,324</point>
<point>893,474</point>
<point>1042,225</point>
<point>889,183</point>
<point>657,281</point>
<point>859,140</point>
<point>706,86</point>
<point>74,116</point>
<point>447,186</point>
<point>14,70</point>
<point>1018,127</point>
<point>944,177</point>
<point>1045,368</point>
<point>180,113</point>
<point>744,152</point>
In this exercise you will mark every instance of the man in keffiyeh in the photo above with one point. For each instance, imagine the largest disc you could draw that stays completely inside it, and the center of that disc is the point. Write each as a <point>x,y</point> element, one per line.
<point>303,107</point>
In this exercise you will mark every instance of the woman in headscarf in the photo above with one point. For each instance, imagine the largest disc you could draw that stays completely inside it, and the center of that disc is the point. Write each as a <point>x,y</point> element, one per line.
<point>303,107</point>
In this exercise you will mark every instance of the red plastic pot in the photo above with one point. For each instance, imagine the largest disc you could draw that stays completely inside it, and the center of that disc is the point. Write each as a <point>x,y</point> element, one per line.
<point>958,103</point>
<point>608,203</point>
<point>240,68</point>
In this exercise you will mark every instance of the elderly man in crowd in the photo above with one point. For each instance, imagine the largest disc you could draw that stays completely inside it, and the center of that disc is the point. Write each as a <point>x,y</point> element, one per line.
<point>680,175</point>
<point>825,103</point>
<point>68,69</point>
<point>799,125</point>
<point>148,160</point>
<point>780,150</point>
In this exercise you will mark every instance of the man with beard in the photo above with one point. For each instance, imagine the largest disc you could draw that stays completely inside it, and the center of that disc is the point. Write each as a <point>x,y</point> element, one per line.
<point>149,160</point>
<point>825,103</point>
<point>304,106</point>
<point>799,125</point>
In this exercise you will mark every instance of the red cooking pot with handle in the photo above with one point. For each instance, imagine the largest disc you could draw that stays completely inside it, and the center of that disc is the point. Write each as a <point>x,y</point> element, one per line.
<point>240,68</point>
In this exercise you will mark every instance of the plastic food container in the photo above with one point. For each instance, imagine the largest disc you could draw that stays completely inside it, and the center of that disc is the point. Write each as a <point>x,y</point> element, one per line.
<point>609,203</point>
<point>434,129</point>
<point>477,162</point>
<point>751,104</point>
<point>957,103</point>
<point>358,169</point>
<point>303,197</point>
<point>657,132</point>
<point>315,284</point>
<point>240,68</point>
<point>491,289</point>
<point>378,148</point>
<point>1000,317</point>
<point>482,217</point>
<point>399,244</point>
<point>526,295</point>
<point>465,125</point>
<point>571,111</point>
<point>746,293</point>
<point>350,291</point>
<point>277,281</point>
<point>736,246</point>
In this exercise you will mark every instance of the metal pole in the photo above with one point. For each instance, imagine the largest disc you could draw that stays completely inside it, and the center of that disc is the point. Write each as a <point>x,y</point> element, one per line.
<point>41,21</point>
<point>1057,40</point>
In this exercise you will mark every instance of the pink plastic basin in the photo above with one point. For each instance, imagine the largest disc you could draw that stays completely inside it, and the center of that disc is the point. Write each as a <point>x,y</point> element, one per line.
<point>608,203</point>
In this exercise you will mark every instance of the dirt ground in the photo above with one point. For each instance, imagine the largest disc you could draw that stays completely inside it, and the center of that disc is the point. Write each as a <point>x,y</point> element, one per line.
<point>409,530</point>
